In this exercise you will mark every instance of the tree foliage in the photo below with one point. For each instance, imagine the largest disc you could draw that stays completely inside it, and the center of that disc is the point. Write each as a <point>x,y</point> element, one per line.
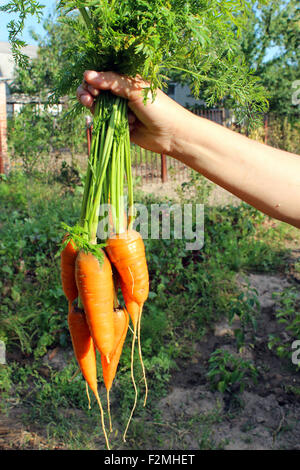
<point>41,73</point>
<point>23,8</point>
<point>200,39</point>
<point>271,45</point>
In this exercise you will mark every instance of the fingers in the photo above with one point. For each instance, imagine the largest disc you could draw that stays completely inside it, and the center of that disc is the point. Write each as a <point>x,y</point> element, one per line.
<point>84,96</point>
<point>88,90</point>
<point>120,85</point>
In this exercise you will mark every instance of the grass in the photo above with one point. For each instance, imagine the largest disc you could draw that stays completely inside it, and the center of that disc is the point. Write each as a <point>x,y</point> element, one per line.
<point>189,292</point>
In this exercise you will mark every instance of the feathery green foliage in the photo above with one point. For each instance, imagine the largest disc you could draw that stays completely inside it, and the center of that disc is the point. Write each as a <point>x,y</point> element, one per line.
<point>199,39</point>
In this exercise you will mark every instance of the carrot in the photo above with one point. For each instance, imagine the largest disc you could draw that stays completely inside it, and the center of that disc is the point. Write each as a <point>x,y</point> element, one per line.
<point>67,268</point>
<point>121,321</point>
<point>131,306</point>
<point>95,286</point>
<point>127,252</point>
<point>85,353</point>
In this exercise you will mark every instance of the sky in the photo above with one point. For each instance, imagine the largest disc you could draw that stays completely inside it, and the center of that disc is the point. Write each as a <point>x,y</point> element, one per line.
<point>30,23</point>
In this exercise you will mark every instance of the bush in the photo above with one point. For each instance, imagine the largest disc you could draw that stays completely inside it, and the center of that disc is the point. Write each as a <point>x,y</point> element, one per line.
<point>281,133</point>
<point>34,137</point>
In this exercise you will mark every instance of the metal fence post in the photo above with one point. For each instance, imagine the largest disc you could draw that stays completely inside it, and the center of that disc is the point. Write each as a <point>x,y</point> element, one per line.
<point>164,171</point>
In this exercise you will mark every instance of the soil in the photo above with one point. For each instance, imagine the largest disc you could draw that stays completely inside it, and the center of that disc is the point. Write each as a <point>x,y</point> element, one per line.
<point>265,416</point>
<point>218,197</point>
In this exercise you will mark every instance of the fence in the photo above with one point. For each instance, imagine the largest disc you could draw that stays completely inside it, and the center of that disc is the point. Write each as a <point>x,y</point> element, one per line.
<point>149,167</point>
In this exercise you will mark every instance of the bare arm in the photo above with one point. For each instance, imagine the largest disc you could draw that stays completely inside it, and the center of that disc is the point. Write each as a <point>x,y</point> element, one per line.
<point>266,178</point>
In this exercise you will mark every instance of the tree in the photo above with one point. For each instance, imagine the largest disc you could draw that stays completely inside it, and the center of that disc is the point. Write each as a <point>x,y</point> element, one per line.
<point>35,134</point>
<point>41,73</point>
<point>271,45</point>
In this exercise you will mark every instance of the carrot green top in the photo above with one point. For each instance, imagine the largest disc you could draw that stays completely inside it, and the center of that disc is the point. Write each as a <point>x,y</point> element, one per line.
<point>195,41</point>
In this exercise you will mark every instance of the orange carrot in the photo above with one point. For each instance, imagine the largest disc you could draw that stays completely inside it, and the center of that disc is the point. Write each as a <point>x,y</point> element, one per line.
<point>85,353</point>
<point>121,321</point>
<point>83,346</point>
<point>131,306</point>
<point>67,268</point>
<point>95,286</point>
<point>127,252</point>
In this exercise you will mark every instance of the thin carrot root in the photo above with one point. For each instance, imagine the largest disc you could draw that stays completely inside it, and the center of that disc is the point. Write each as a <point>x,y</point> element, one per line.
<point>140,355</point>
<point>87,394</point>
<point>134,385</point>
<point>102,421</point>
<point>108,411</point>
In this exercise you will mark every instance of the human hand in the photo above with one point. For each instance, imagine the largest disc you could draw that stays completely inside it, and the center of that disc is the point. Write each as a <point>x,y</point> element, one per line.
<point>153,125</point>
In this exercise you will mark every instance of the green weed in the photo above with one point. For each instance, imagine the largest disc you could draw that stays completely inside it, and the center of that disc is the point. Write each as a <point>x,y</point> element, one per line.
<point>227,372</point>
<point>288,316</point>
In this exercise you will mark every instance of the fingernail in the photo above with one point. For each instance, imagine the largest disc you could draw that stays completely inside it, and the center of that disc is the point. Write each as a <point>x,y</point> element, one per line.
<point>86,101</point>
<point>91,74</point>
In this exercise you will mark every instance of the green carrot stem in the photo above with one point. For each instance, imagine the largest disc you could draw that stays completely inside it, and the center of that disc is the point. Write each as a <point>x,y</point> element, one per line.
<point>86,17</point>
<point>109,141</point>
<point>89,173</point>
<point>113,207</point>
<point>118,187</point>
<point>109,157</point>
<point>128,171</point>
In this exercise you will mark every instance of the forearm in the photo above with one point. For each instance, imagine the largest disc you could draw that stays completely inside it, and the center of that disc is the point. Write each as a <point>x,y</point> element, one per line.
<point>266,178</point>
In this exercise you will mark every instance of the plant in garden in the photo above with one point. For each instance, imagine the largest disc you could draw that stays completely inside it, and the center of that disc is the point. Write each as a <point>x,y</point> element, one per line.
<point>34,135</point>
<point>42,71</point>
<point>197,188</point>
<point>227,372</point>
<point>288,315</point>
<point>244,306</point>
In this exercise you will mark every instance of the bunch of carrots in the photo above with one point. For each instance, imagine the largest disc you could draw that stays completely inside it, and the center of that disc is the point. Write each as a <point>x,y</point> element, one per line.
<point>95,266</point>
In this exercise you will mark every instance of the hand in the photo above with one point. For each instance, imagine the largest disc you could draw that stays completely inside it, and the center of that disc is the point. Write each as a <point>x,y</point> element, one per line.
<point>152,126</point>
